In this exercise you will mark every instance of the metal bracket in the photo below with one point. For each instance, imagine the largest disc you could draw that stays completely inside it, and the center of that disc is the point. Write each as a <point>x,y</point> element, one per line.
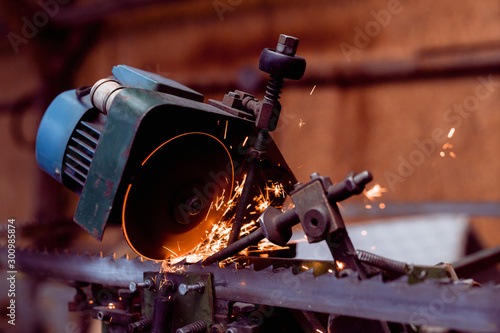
<point>182,305</point>
<point>321,220</point>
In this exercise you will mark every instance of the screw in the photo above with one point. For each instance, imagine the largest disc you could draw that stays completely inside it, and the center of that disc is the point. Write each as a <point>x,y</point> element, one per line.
<point>286,45</point>
<point>140,325</point>
<point>196,327</point>
<point>185,288</point>
<point>133,286</point>
<point>280,64</point>
<point>232,330</point>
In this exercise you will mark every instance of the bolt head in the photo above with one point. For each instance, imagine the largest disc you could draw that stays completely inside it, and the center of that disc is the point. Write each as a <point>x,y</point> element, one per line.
<point>288,40</point>
<point>183,289</point>
<point>132,286</point>
<point>287,45</point>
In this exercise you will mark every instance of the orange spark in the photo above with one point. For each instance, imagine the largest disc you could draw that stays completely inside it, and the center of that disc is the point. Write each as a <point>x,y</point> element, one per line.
<point>452,154</point>
<point>166,248</point>
<point>442,154</point>
<point>312,90</point>
<point>375,192</point>
<point>301,123</point>
<point>451,132</point>
<point>340,264</point>
<point>216,239</point>
<point>381,205</point>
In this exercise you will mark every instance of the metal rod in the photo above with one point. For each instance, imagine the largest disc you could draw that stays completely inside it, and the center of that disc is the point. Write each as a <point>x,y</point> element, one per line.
<point>235,247</point>
<point>246,194</point>
<point>477,262</point>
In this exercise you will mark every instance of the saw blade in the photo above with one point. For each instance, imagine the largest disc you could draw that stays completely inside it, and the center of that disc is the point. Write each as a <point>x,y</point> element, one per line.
<point>169,208</point>
<point>272,282</point>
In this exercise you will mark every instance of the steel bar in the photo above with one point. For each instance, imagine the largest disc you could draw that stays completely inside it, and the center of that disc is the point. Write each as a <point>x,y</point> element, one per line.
<point>477,262</point>
<point>455,306</point>
<point>484,208</point>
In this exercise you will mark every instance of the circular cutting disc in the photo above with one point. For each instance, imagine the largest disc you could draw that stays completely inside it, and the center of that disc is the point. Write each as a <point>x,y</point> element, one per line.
<point>168,210</point>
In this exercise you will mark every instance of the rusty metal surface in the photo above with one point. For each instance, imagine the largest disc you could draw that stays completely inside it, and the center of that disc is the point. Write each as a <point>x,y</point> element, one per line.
<point>453,305</point>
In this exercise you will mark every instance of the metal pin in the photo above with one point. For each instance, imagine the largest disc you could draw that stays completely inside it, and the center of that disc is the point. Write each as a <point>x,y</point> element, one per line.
<point>133,286</point>
<point>185,288</point>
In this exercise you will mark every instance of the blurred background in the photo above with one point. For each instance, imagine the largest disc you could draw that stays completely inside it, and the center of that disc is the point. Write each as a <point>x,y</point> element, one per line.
<point>409,90</point>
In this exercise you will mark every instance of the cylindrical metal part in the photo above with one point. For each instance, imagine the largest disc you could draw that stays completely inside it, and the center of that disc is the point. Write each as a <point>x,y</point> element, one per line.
<point>140,326</point>
<point>259,145</point>
<point>381,262</point>
<point>198,326</point>
<point>162,315</point>
<point>185,288</point>
<point>282,222</point>
<point>236,247</point>
<point>133,286</point>
<point>103,93</point>
<point>352,184</point>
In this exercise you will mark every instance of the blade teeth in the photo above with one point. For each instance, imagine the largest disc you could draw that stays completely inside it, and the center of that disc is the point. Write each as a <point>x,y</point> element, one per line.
<point>198,263</point>
<point>111,256</point>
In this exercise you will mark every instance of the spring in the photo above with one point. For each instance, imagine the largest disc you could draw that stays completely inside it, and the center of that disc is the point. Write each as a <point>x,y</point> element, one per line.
<point>273,89</point>
<point>381,262</point>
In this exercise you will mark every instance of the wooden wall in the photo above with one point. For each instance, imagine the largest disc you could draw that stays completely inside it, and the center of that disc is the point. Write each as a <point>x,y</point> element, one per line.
<point>384,124</point>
